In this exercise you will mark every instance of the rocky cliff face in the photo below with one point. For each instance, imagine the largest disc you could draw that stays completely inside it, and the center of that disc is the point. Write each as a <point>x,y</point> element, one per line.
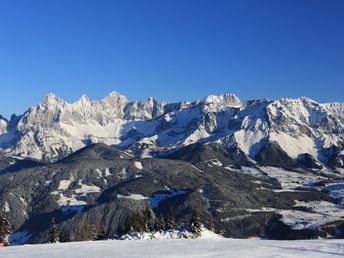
<point>3,125</point>
<point>54,128</point>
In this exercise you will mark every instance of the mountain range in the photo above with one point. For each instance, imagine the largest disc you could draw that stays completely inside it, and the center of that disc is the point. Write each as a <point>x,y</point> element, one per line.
<point>302,130</point>
<point>260,168</point>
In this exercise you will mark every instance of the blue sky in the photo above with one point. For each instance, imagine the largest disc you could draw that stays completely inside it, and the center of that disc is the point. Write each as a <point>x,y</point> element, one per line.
<point>172,50</point>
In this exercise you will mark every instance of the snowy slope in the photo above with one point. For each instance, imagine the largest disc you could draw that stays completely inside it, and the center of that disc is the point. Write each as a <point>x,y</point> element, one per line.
<point>55,128</point>
<point>180,248</point>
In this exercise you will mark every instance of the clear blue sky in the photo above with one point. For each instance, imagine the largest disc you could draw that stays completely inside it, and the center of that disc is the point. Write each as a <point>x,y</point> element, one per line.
<point>170,49</point>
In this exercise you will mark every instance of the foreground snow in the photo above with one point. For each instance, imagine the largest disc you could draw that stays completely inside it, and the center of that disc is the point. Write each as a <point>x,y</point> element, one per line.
<point>180,248</point>
<point>169,234</point>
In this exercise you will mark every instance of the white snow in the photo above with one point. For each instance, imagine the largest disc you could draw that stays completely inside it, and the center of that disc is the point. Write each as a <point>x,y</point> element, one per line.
<point>298,125</point>
<point>321,212</point>
<point>249,141</point>
<point>7,207</point>
<point>146,153</point>
<point>249,171</point>
<point>195,136</point>
<point>301,219</point>
<point>214,162</point>
<point>181,248</point>
<point>294,146</point>
<point>170,234</point>
<point>71,202</point>
<point>64,184</point>
<point>168,117</point>
<point>138,165</point>
<point>136,197</point>
<point>68,201</point>
<point>22,200</point>
<point>86,189</point>
<point>290,180</point>
<point>124,174</point>
<point>99,172</point>
<point>107,172</point>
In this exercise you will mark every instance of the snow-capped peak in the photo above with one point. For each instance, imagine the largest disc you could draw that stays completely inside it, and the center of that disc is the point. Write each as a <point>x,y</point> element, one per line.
<point>225,99</point>
<point>50,98</point>
<point>84,99</point>
<point>54,128</point>
<point>114,97</point>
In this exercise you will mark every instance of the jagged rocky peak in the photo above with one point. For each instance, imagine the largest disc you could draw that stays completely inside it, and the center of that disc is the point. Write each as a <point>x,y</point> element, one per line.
<point>3,125</point>
<point>84,100</point>
<point>225,99</point>
<point>51,99</point>
<point>54,128</point>
<point>144,109</point>
<point>114,98</point>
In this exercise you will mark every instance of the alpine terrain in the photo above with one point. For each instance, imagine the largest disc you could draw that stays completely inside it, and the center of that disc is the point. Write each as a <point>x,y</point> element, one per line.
<point>260,168</point>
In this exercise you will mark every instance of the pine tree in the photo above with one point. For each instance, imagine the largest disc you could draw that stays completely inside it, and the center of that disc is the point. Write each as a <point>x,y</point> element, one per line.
<point>5,228</point>
<point>101,235</point>
<point>84,230</point>
<point>136,223</point>
<point>195,223</point>
<point>170,220</point>
<point>124,228</point>
<point>64,236</point>
<point>93,234</point>
<point>160,223</point>
<point>147,217</point>
<point>53,232</point>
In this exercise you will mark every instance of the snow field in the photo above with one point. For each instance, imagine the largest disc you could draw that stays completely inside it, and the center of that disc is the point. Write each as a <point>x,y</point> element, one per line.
<point>190,248</point>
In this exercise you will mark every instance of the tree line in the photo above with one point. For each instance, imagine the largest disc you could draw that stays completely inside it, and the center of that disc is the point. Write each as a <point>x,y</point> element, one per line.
<point>143,222</point>
<point>140,221</point>
<point>5,228</point>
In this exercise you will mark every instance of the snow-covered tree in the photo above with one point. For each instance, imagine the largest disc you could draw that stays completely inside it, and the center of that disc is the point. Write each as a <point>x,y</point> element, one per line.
<point>195,223</point>
<point>53,231</point>
<point>160,223</point>
<point>5,228</point>
<point>170,220</point>
<point>96,231</point>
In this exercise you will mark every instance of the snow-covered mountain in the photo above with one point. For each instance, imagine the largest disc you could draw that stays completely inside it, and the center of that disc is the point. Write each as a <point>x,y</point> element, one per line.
<point>3,125</point>
<point>307,132</point>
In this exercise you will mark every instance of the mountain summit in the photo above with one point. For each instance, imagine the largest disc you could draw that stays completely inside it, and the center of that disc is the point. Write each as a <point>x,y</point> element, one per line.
<point>300,129</point>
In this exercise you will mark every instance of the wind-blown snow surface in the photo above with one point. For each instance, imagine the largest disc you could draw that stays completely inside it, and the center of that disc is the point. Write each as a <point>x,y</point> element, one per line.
<point>200,248</point>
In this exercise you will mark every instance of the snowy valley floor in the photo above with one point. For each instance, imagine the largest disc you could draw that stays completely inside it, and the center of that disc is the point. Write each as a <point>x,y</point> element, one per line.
<point>180,248</point>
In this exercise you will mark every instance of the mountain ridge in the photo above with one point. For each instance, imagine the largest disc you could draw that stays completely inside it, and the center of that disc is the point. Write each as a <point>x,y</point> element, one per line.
<point>100,184</point>
<point>54,128</point>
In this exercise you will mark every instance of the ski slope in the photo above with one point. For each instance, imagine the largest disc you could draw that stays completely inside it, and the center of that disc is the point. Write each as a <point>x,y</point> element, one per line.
<point>201,248</point>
